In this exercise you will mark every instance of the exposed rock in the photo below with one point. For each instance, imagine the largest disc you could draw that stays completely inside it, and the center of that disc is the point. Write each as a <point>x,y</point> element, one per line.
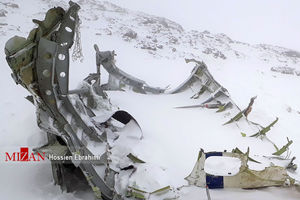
<point>173,40</point>
<point>11,5</point>
<point>216,53</point>
<point>113,7</point>
<point>283,70</point>
<point>148,47</point>
<point>292,53</point>
<point>3,13</point>
<point>153,33</point>
<point>225,37</point>
<point>130,34</point>
<point>160,23</point>
<point>160,46</point>
<point>148,21</point>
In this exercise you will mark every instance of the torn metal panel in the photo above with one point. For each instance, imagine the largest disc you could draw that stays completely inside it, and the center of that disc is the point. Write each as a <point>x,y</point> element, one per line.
<point>194,76</point>
<point>206,79</point>
<point>209,106</point>
<point>40,63</point>
<point>284,148</point>
<point>224,107</point>
<point>137,193</point>
<point>237,150</point>
<point>134,159</point>
<point>245,178</point>
<point>266,129</point>
<point>249,107</point>
<point>118,78</point>
<point>292,166</point>
<point>242,113</point>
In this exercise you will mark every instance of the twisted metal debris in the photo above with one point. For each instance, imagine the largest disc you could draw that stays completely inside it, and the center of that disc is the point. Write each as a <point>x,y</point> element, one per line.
<point>40,63</point>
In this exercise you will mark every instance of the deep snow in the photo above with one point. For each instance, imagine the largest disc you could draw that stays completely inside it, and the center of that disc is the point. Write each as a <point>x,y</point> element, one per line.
<point>172,137</point>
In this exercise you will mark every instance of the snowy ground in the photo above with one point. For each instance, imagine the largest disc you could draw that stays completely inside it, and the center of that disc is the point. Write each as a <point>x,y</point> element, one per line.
<point>172,137</point>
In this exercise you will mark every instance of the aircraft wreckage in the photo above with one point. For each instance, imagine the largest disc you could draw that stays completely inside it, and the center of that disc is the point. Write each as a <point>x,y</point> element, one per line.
<point>75,119</point>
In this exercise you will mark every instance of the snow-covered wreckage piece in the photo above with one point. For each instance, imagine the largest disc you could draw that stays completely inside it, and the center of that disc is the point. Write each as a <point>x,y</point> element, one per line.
<point>200,76</point>
<point>119,78</point>
<point>72,119</point>
<point>245,178</point>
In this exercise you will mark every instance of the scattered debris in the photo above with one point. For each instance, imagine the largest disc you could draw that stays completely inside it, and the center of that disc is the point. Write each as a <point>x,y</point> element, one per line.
<point>141,194</point>
<point>244,112</point>
<point>246,178</point>
<point>237,150</point>
<point>135,159</point>
<point>284,148</point>
<point>209,106</point>
<point>265,130</point>
<point>207,193</point>
<point>237,117</point>
<point>118,79</point>
<point>224,107</point>
<point>292,166</point>
<point>249,107</point>
<point>162,190</point>
<point>136,193</point>
<point>243,134</point>
<point>128,167</point>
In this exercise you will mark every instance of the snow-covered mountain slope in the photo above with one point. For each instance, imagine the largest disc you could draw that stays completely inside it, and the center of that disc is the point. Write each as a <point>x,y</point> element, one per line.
<point>164,38</point>
<point>153,49</point>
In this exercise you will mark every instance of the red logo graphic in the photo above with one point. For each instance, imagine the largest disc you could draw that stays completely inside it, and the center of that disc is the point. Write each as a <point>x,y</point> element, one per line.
<point>24,156</point>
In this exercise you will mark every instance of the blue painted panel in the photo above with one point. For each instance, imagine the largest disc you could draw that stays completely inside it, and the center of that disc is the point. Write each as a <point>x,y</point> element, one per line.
<point>213,154</point>
<point>214,181</point>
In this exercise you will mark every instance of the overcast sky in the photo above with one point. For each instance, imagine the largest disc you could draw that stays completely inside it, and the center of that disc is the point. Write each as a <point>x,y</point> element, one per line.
<point>254,21</point>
